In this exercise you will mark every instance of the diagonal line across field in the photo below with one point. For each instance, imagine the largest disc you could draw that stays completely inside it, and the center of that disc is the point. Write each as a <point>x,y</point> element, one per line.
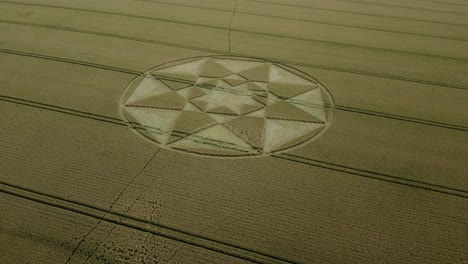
<point>290,157</point>
<point>64,60</point>
<point>98,101</point>
<point>339,107</point>
<point>273,3</point>
<point>337,69</point>
<point>140,224</point>
<point>373,175</point>
<point>229,28</point>
<point>353,12</point>
<point>401,6</point>
<point>442,2</point>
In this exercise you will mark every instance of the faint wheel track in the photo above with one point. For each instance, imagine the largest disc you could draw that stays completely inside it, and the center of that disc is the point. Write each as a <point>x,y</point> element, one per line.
<point>230,29</point>
<point>133,203</point>
<point>337,69</point>
<point>120,122</point>
<point>110,208</point>
<point>230,25</point>
<point>141,225</point>
<point>239,12</point>
<point>358,13</point>
<point>316,163</point>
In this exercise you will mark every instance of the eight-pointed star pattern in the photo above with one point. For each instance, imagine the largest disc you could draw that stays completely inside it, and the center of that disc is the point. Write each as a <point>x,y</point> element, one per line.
<point>227,106</point>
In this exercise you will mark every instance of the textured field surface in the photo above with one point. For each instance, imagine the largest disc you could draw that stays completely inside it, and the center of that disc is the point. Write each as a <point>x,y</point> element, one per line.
<point>387,183</point>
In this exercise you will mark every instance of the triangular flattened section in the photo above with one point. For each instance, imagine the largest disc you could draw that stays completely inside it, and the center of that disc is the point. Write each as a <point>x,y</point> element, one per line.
<point>280,75</point>
<point>328,105</point>
<point>185,92</point>
<point>235,79</point>
<point>273,99</point>
<point>222,118</point>
<point>214,69</point>
<point>260,113</point>
<point>190,107</point>
<point>191,92</point>
<point>258,86</point>
<point>216,140</point>
<point>207,81</point>
<point>222,110</point>
<point>157,122</point>
<point>242,89</point>
<point>173,138</point>
<point>301,139</point>
<point>311,102</point>
<point>225,138</point>
<point>259,74</point>
<point>249,108</point>
<point>280,132</point>
<point>174,85</point>
<point>190,122</point>
<point>132,87</point>
<point>201,104</point>
<point>261,99</point>
<point>286,111</point>
<point>178,76</point>
<point>170,100</point>
<point>236,66</point>
<point>285,91</point>
<point>148,87</point>
<point>185,72</point>
<point>250,129</point>
<point>224,85</point>
<point>196,92</point>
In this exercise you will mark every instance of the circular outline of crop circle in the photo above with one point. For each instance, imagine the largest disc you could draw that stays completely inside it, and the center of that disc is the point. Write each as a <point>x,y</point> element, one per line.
<point>132,84</point>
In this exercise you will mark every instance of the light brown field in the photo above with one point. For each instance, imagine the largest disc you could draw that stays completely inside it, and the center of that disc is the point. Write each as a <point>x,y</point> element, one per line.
<point>387,183</point>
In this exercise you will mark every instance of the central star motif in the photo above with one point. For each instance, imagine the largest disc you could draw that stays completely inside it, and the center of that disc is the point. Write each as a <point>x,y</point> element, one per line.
<point>223,98</point>
<point>226,107</point>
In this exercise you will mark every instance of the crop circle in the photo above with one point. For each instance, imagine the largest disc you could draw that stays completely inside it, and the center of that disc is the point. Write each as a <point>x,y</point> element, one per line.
<point>227,106</point>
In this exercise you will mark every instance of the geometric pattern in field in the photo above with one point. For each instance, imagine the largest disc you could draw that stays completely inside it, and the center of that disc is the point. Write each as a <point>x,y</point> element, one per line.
<point>227,106</point>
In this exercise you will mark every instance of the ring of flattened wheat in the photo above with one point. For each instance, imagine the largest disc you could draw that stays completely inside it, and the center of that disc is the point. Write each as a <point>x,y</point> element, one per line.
<point>227,106</point>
